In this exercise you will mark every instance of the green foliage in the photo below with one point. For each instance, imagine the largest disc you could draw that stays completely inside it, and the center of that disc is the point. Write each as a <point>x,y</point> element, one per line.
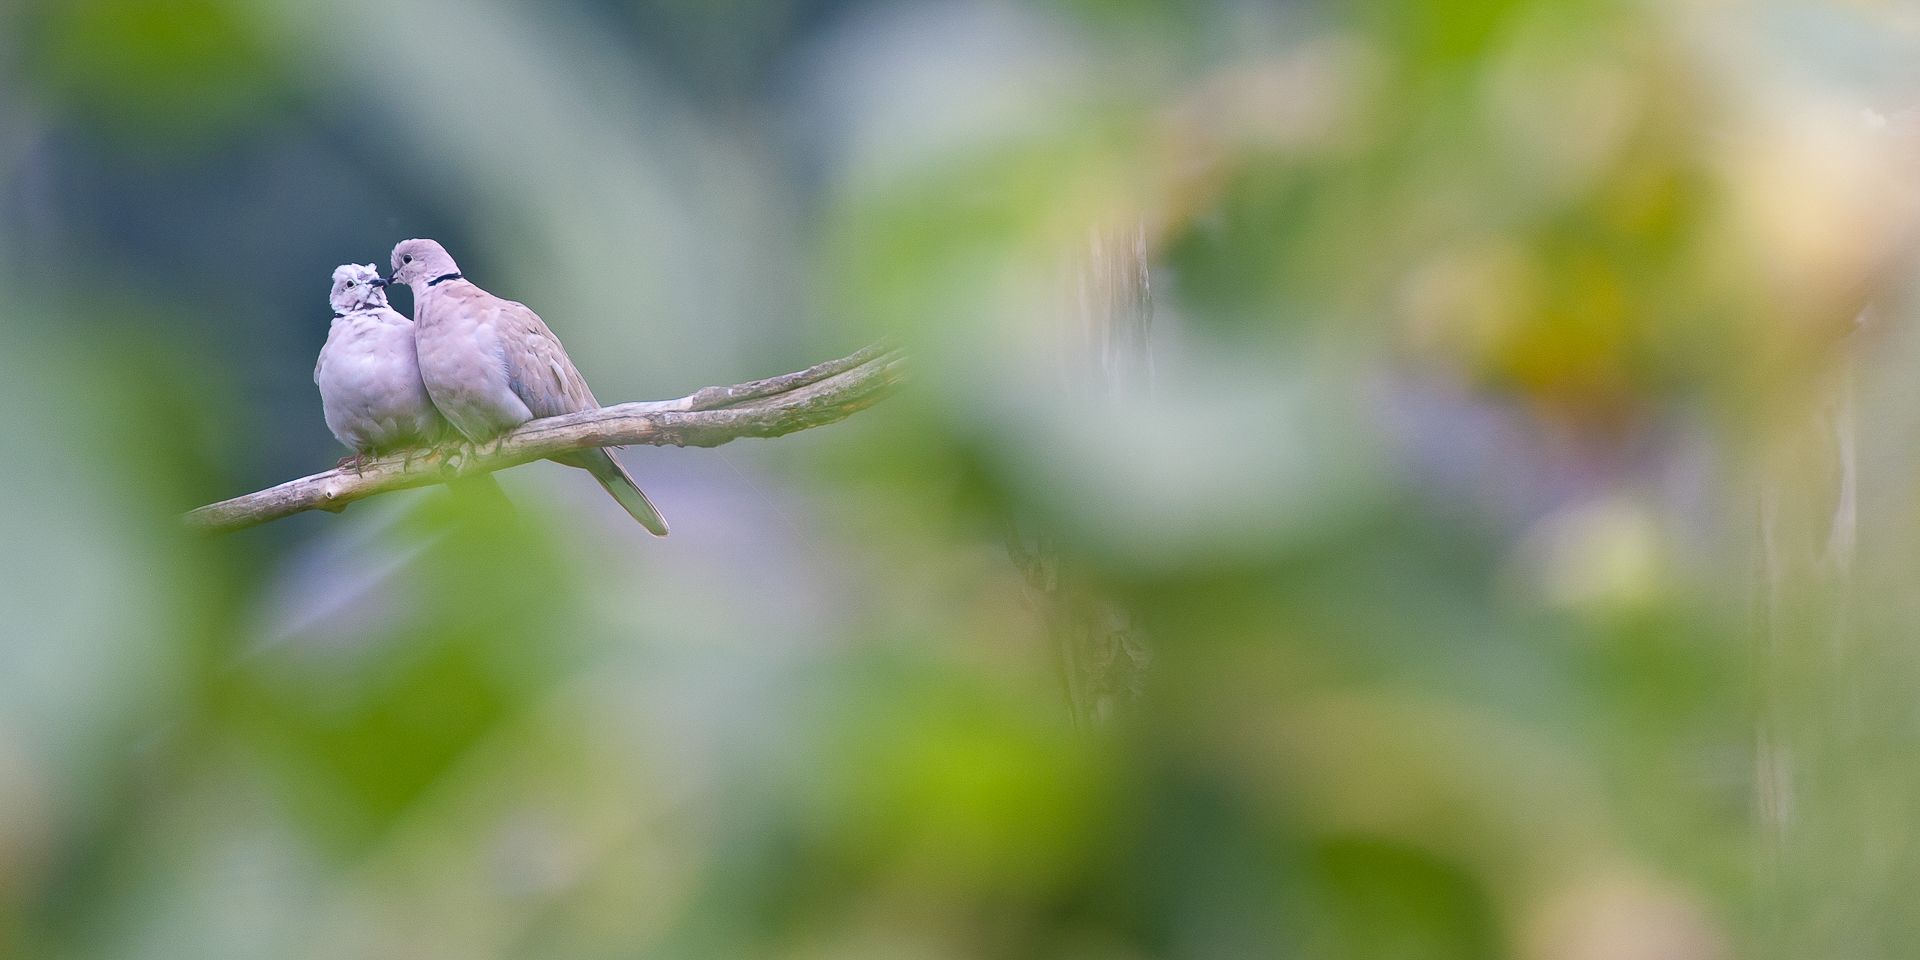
<point>1454,567</point>
<point>155,71</point>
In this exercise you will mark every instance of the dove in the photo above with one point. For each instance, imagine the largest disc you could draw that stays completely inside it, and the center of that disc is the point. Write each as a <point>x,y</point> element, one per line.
<point>491,364</point>
<point>368,374</point>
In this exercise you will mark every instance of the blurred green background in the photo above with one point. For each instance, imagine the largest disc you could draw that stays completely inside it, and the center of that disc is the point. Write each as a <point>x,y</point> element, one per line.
<point>1390,480</point>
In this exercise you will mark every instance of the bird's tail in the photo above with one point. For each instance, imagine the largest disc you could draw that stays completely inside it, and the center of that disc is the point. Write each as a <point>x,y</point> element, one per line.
<point>614,478</point>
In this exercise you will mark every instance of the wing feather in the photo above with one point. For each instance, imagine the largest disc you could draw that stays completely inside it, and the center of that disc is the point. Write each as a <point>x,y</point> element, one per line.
<point>538,369</point>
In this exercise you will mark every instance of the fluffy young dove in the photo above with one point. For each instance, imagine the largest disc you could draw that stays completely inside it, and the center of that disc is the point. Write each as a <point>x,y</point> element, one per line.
<point>491,364</point>
<point>368,374</point>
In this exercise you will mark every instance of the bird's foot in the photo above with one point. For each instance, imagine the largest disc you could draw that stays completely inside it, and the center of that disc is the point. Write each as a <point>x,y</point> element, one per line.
<point>454,455</point>
<point>357,461</point>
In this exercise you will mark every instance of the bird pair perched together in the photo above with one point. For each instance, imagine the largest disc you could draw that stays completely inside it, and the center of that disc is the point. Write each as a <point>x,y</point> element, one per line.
<point>468,360</point>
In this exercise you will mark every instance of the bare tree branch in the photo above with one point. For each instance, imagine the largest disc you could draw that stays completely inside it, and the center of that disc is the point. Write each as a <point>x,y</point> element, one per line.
<point>818,395</point>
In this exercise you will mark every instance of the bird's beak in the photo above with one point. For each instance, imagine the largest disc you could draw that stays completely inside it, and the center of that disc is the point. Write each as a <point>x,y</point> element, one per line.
<point>379,281</point>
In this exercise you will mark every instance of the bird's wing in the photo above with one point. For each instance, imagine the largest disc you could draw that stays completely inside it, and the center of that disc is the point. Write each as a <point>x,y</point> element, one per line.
<point>538,368</point>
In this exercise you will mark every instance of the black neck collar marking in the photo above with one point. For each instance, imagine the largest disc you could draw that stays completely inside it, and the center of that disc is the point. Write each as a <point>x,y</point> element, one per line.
<point>443,278</point>
<point>337,314</point>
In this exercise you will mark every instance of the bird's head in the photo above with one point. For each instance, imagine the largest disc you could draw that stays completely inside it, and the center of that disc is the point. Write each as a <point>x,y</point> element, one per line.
<point>357,286</point>
<point>418,262</point>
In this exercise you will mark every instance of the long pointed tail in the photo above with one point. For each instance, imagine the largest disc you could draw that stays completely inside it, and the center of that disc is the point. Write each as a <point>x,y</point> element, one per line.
<point>614,478</point>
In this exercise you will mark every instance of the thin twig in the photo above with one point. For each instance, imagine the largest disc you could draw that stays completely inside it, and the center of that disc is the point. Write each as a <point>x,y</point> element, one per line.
<point>818,395</point>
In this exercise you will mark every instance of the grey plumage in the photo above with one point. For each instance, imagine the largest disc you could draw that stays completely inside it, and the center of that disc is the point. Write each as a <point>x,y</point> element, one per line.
<point>492,364</point>
<point>368,372</point>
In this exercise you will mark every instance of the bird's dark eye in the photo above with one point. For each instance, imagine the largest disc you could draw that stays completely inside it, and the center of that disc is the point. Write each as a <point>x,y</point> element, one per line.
<point>353,283</point>
<point>407,259</point>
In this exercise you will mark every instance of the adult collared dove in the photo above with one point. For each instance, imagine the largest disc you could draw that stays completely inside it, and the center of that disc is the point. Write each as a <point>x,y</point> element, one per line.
<point>491,364</point>
<point>368,374</point>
